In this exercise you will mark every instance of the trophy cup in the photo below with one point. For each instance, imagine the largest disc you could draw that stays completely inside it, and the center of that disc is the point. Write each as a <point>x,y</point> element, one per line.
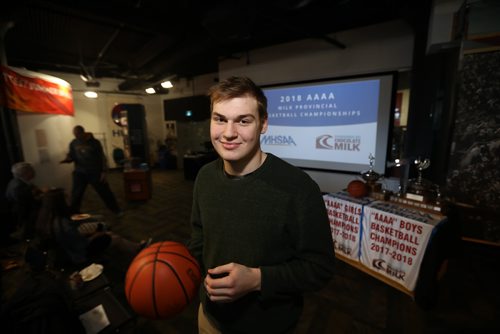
<point>420,189</point>
<point>371,177</point>
<point>420,193</point>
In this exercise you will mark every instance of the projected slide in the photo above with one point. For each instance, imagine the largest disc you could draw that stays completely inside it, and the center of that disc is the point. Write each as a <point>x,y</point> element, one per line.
<point>332,125</point>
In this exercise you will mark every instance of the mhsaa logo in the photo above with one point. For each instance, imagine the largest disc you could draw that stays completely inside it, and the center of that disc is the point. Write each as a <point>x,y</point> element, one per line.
<point>277,140</point>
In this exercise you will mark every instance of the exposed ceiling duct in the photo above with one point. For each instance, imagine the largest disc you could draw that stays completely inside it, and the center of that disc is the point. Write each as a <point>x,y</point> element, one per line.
<point>144,41</point>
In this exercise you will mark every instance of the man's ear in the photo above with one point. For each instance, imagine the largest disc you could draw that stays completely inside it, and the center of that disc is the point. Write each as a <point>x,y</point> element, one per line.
<point>265,124</point>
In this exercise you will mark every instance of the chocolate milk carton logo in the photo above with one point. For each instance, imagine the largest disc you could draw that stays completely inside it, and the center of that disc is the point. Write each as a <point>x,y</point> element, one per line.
<point>338,143</point>
<point>380,264</point>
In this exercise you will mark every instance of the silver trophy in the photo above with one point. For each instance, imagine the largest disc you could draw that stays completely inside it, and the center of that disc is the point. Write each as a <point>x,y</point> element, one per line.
<point>421,186</point>
<point>421,165</point>
<point>371,177</point>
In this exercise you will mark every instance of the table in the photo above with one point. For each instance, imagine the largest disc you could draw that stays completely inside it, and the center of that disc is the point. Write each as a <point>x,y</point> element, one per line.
<point>98,292</point>
<point>120,320</point>
<point>87,288</point>
<point>386,240</point>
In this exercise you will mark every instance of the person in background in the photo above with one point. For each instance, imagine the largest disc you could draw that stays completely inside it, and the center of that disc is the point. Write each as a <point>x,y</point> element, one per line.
<point>260,229</point>
<point>24,197</point>
<point>90,168</point>
<point>56,225</point>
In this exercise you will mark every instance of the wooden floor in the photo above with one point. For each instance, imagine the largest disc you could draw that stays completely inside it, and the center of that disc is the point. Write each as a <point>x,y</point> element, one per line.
<point>468,298</point>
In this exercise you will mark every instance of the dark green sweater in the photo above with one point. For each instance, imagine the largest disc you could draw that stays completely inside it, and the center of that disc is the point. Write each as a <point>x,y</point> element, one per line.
<point>275,219</point>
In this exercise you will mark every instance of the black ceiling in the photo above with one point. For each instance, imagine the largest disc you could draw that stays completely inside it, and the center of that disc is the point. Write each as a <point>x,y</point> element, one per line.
<point>144,41</point>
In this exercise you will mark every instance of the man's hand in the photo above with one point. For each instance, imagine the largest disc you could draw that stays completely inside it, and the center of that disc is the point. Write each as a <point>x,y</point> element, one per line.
<point>239,281</point>
<point>66,160</point>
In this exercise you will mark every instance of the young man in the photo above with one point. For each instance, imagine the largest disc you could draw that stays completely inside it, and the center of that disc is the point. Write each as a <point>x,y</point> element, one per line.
<point>260,227</point>
<point>90,168</point>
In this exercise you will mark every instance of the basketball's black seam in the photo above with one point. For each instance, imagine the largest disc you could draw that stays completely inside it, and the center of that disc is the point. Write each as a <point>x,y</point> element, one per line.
<point>189,258</point>
<point>153,290</point>
<point>178,279</point>
<point>138,271</point>
<point>171,267</point>
<point>158,246</point>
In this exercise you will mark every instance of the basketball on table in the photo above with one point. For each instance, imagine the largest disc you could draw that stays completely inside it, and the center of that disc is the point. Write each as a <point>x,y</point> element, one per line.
<point>162,280</point>
<point>357,189</point>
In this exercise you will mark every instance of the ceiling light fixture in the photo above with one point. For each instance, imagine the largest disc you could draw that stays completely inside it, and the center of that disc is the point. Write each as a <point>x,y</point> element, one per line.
<point>91,94</point>
<point>150,90</point>
<point>167,84</point>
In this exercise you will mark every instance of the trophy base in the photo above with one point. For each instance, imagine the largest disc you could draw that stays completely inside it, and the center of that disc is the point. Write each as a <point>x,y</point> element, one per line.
<point>415,197</point>
<point>434,206</point>
<point>421,191</point>
<point>374,187</point>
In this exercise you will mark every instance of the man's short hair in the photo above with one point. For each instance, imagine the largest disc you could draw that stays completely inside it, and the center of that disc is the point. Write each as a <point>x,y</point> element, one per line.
<point>234,87</point>
<point>79,128</point>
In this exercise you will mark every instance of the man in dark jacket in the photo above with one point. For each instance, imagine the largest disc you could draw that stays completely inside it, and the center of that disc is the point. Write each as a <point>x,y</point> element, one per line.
<point>90,168</point>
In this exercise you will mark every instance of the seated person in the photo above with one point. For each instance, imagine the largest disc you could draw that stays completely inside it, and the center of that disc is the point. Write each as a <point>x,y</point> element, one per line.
<point>54,224</point>
<point>23,197</point>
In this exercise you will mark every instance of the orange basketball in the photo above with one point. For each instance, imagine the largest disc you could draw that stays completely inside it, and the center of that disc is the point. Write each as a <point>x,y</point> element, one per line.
<point>357,188</point>
<point>162,280</point>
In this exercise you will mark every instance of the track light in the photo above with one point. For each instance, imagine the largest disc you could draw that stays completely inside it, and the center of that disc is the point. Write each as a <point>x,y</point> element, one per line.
<point>91,94</point>
<point>160,88</point>
<point>167,84</point>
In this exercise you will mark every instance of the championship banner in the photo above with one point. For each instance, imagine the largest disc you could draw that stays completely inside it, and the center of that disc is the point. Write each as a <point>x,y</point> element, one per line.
<point>35,92</point>
<point>394,241</point>
<point>345,214</point>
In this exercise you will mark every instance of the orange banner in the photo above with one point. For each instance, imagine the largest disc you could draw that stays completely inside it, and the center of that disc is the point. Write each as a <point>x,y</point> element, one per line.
<point>36,92</point>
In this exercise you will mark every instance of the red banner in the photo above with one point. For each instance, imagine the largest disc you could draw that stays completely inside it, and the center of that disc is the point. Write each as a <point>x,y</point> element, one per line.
<point>35,92</point>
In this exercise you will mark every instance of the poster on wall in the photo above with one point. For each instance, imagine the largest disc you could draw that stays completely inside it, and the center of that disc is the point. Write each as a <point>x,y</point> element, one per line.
<point>35,92</point>
<point>345,214</point>
<point>394,241</point>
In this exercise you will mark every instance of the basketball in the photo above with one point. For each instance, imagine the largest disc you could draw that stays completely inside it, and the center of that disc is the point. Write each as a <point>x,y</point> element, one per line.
<point>162,280</point>
<point>357,188</point>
